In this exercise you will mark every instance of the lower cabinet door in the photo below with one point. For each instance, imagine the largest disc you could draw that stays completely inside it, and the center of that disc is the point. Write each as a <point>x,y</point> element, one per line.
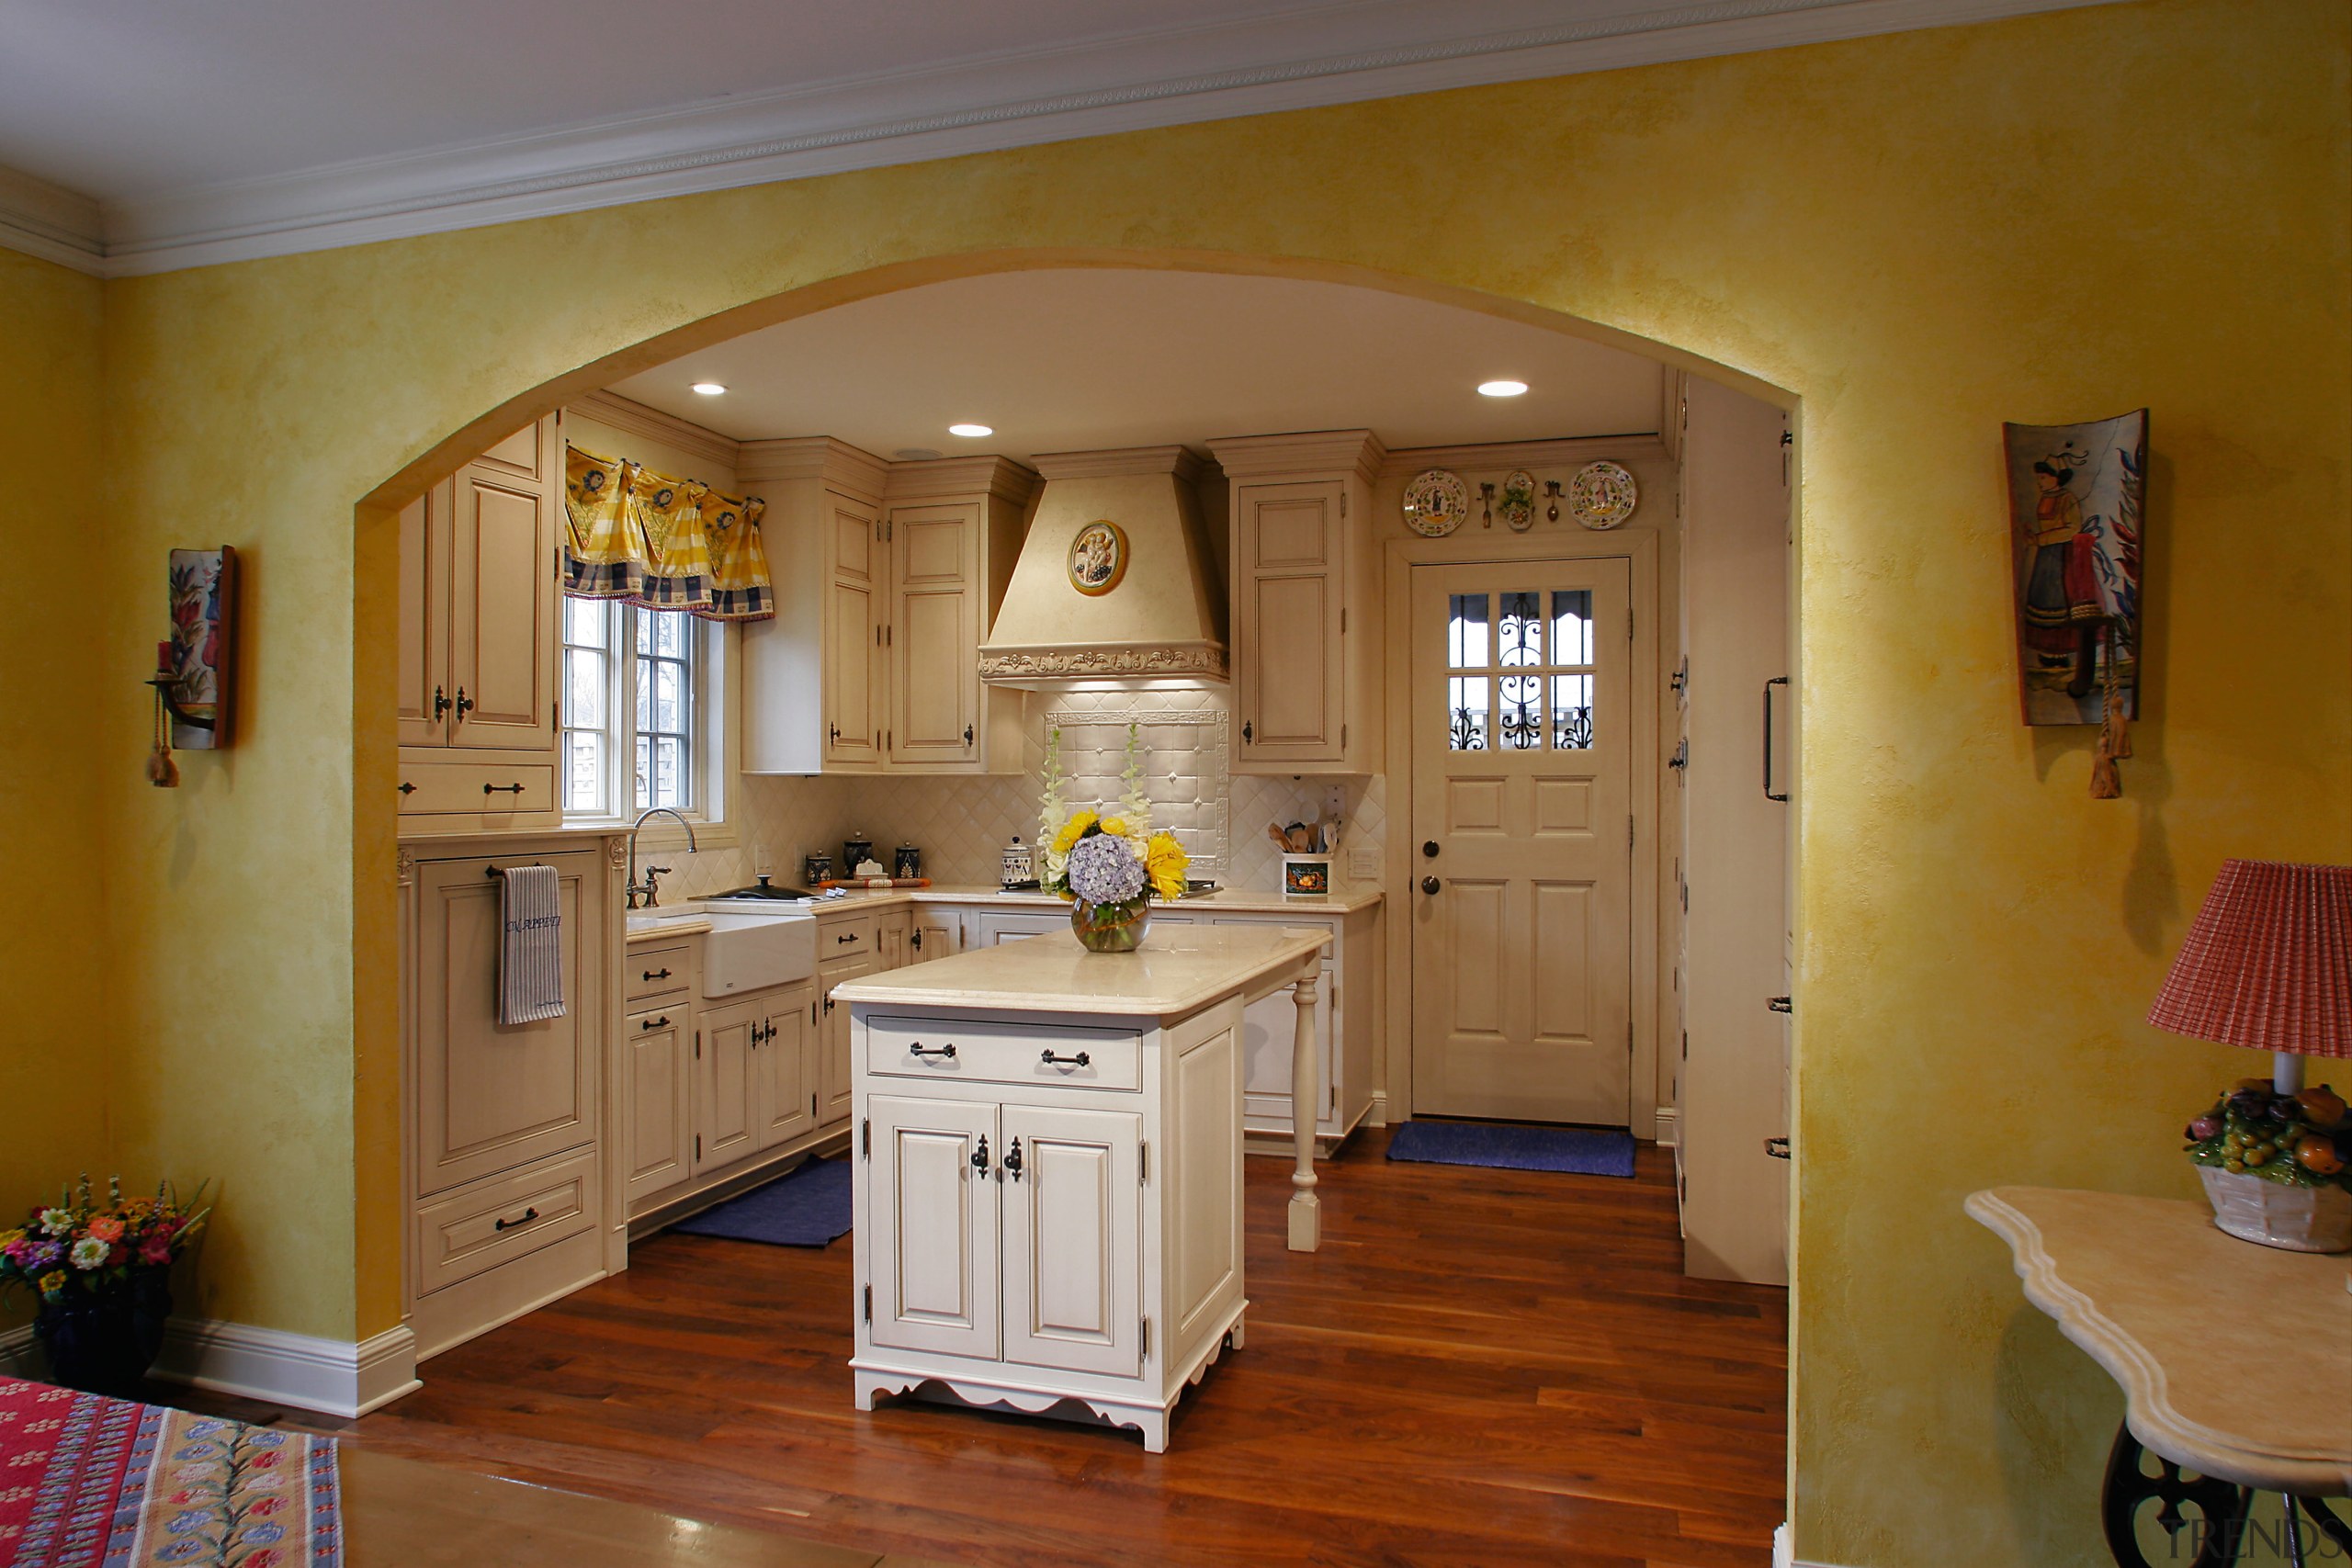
<point>931,1225</point>
<point>724,1057</point>
<point>1073,1218</point>
<point>784,1095</point>
<point>660,1124</point>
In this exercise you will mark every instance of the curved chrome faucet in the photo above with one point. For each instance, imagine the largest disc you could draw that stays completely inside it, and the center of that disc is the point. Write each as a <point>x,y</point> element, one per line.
<point>650,888</point>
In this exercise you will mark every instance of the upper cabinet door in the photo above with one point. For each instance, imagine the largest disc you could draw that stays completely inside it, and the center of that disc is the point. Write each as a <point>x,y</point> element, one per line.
<point>503,598</point>
<point>1289,585</point>
<point>852,653</point>
<point>934,639</point>
<point>425,560</point>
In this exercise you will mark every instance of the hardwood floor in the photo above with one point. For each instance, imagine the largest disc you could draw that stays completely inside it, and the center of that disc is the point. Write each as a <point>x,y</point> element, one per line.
<point>1480,1367</point>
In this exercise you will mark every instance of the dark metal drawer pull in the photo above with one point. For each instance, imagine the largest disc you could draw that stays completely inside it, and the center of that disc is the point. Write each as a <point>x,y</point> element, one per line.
<point>918,1049</point>
<point>528,1215</point>
<point>1080,1060</point>
<point>849,937</point>
<point>657,973</point>
<point>501,789</point>
<point>655,1023</point>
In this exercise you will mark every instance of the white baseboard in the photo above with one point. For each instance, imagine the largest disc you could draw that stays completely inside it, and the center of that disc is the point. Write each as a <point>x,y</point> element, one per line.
<point>334,1377</point>
<point>1784,1555</point>
<point>1670,1134</point>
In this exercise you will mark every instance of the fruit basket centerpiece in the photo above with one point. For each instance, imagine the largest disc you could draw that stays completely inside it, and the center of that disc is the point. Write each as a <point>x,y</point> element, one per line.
<point>2275,1164</point>
<point>1109,864</point>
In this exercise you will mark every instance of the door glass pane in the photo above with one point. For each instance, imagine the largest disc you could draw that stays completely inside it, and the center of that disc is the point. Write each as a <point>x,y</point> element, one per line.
<point>1520,725</point>
<point>1467,720</point>
<point>1572,712</point>
<point>1522,638</point>
<point>1466,628</point>
<point>1572,626</point>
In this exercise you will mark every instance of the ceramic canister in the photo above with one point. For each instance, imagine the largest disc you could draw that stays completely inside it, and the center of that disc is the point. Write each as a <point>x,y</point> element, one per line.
<point>854,853</point>
<point>815,869</point>
<point>905,862</point>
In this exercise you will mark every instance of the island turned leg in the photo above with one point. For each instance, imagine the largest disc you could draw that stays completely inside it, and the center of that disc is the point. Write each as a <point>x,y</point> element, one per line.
<point>1305,1095</point>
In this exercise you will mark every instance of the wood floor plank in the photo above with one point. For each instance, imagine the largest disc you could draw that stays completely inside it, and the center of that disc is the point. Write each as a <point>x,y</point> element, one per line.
<point>1480,1367</point>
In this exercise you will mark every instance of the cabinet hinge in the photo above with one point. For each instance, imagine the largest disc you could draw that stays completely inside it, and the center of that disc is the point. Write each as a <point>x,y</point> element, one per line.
<point>865,1138</point>
<point>812,1105</point>
<point>1629,626</point>
<point>889,529</point>
<point>1343,620</point>
<point>1143,1164</point>
<point>698,1045</point>
<point>869,1304</point>
<point>1629,831</point>
<point>697,1146</point>
<point>1343,503</point>
<point>1146,1337</point>
<point>1629,1037</point>
<point>889,636</point>
<point>1344,737</point>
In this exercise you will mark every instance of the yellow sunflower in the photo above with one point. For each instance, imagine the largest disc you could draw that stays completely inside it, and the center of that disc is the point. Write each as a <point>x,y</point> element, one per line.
<point>1164,860</point>
<point>1072,831</point>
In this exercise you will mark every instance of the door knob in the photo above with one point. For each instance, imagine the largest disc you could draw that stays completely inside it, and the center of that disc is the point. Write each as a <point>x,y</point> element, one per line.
<point>1428,884</point>
<point>1428,848</point>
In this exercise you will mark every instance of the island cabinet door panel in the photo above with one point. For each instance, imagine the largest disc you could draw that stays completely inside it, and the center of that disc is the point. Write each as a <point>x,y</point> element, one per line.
<point>659,1118</point>
<point>932,1224</point>
<point>1072,1220</point>
<point>725,1055</point>
<point>1200,1143</point>
<point>783,1094</point>
<point>491,1096</point>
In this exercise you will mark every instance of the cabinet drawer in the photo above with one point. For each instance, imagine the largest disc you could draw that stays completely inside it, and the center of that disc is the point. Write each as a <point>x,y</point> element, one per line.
<point>649,973</point>
<point>442,788</point>
<point>847,936</point>
<point>1004,1053</point>
<point>502,1219</point>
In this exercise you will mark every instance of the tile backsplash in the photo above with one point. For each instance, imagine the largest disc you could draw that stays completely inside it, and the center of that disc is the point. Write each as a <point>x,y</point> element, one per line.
<point>961,824</point>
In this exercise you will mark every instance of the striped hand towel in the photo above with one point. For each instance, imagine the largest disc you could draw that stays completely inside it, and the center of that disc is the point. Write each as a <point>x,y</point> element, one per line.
<point>530,958</point>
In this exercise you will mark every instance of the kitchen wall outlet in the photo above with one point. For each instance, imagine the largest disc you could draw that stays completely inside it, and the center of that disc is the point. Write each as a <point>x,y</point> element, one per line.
<point>1364,864</point>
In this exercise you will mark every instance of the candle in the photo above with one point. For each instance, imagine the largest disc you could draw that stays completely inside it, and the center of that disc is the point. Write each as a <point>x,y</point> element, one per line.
<point>164,656</point>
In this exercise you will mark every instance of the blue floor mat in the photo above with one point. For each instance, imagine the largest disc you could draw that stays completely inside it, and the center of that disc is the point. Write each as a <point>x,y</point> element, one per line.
<point>1584,1151</point>
<point>806,1207</point>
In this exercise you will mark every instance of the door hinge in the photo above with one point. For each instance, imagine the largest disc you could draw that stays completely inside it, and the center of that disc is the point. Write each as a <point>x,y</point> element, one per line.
<point>869,1304</point>
<point>865,1138</point>
<point>1146,1337</point>
<point>1143,1164</point>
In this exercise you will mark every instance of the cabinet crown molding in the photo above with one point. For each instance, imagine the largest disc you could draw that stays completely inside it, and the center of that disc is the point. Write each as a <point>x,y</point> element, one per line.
<point>1113,461</point>
<point>1311,451</point>
<point>1569,451</point>
<point>622,413</point>
<point>961,478</point>
<point>836,462</point>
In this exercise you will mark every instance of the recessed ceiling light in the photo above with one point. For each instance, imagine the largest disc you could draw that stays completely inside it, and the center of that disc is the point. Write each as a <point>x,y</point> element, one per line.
<point>1501,388</point>
<point>971,431</point>
<point>709,388</point>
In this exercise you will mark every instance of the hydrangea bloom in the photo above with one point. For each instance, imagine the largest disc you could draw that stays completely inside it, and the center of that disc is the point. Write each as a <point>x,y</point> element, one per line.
<point>1105,868</point>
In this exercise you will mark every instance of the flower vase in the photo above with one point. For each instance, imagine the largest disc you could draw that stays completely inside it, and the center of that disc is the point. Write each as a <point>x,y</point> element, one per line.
<point>103,1341</point>
<point>1112,928</point>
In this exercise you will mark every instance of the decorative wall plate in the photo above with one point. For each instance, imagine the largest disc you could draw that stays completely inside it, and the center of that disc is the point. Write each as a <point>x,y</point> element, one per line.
<point>1435,504</point>
<point>1098,558</point>
<point>1518,508</point>
<point>1602,495</point>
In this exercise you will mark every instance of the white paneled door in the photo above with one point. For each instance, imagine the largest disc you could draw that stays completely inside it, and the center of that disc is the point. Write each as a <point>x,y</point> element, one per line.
<point>1522,840</point>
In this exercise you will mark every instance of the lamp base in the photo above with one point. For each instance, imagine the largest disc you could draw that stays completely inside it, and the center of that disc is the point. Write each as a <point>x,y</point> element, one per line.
<point>2298,1219</point>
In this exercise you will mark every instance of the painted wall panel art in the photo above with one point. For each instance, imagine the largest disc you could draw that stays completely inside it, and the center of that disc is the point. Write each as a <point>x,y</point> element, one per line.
<point>2077,495</point>
<point>203,652</point>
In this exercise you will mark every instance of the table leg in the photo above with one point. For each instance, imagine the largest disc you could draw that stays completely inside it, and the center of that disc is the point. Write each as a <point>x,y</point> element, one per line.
<point>2216,1533</point>
<point>1306,1096</point>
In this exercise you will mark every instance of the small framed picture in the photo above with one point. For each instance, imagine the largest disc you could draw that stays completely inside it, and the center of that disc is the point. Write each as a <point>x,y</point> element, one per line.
<point>1098,558</point>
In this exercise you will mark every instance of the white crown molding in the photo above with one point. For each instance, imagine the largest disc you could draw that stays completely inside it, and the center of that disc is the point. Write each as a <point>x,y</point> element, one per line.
<point>625,414</point>
<point>978,106</point>
<point>334,1377</point>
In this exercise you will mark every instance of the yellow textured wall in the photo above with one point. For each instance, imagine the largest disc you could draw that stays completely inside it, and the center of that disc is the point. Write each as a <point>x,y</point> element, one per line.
<point>52,517</point>
<point>1919,236</point>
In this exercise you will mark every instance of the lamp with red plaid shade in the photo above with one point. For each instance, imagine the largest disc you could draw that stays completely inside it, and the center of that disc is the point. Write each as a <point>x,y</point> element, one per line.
<point>2267,964</point>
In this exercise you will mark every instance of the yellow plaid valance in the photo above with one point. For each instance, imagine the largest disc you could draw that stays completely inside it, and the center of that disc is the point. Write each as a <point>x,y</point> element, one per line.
<point>668,544</point>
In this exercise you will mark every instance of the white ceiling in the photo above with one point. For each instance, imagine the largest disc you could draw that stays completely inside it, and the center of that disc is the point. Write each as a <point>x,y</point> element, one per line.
<point>1072,361</point>
<point>162,133</point>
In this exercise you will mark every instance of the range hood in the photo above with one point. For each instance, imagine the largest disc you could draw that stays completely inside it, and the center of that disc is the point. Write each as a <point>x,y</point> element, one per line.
<point>1161,622</point>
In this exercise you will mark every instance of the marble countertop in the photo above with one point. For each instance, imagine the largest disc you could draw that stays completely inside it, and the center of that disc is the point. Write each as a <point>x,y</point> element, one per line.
<point>1178,971</point>
<point>1344,899</point>
<point>2188,1319</point>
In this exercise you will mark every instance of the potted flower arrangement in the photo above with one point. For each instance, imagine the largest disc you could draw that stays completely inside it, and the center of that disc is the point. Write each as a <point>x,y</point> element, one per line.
<point>1108,865</point>
<point>101,1273</point>
<point>2277,1167</point>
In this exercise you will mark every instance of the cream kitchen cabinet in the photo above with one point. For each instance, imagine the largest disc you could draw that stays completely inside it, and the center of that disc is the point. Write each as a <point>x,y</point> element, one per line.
<point>512,1199</point>
<point>937,932</point>
<point>658,1125</point>
<point>1304,607</point>
<point>753,1079</point>
<point>1346,1028</point>
<point>477,652</point>
<point>887,575</point>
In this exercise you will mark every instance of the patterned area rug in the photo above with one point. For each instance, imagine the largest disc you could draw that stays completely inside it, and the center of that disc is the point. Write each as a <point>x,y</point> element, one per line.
<point>93,1482</point>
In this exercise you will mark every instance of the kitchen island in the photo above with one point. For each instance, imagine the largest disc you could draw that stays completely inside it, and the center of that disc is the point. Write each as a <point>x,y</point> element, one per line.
<point>1047,1168</point>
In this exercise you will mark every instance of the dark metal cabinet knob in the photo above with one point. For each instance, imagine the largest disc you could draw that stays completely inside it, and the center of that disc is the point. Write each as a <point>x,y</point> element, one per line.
<point>1428,884</point>
<point>1012,1160</point>
<point>1429,849</point>
<point>980,1156</point>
